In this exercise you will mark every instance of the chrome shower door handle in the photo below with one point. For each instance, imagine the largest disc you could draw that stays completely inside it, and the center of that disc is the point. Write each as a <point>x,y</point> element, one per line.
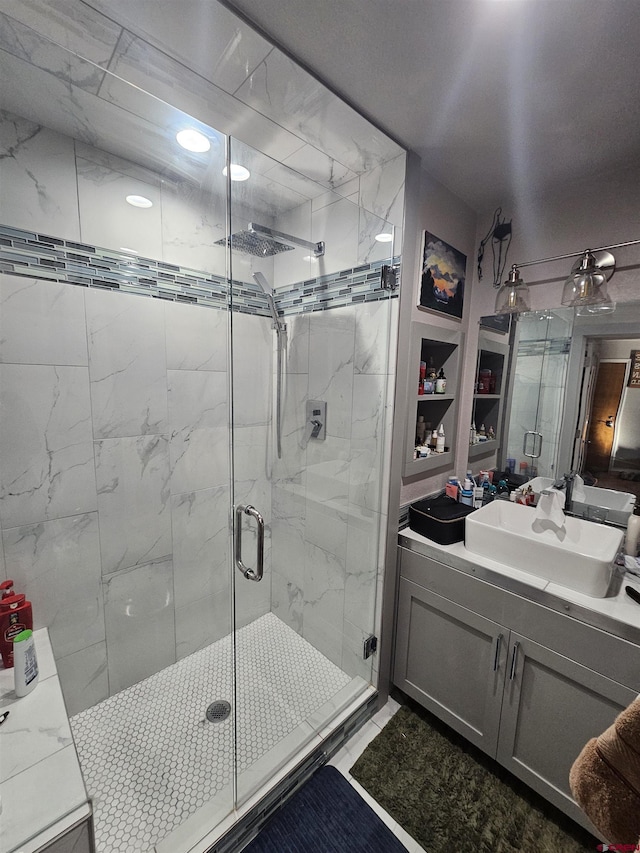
<point>536,449</point>
<point>249,573</point>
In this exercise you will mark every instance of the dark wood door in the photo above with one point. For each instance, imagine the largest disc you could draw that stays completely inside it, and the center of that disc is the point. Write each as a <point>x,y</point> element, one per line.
<point>604,411</point>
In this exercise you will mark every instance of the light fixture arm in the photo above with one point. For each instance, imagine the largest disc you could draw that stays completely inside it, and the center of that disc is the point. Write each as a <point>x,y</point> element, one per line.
<point>576,254</point>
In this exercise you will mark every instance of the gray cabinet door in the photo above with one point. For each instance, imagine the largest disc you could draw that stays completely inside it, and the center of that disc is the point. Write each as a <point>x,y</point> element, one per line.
<point>452,661</point>
<point>552,706</point>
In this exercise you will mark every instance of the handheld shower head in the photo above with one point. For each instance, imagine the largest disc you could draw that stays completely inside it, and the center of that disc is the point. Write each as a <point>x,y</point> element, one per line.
<point>263,284</point>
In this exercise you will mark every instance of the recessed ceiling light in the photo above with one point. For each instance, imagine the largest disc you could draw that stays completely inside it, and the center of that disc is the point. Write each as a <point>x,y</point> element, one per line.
<point>139,201</point>
<point>384,237</point>
<point>238,173</point>
<point>193,140</point>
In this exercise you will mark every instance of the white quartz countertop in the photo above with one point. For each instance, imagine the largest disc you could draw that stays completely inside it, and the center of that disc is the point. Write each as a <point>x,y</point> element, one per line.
<point>616,612</point>
<point>41,786</point>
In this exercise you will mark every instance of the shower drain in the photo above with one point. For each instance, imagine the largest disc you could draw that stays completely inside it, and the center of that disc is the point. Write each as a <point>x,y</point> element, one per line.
<point>218,711</point>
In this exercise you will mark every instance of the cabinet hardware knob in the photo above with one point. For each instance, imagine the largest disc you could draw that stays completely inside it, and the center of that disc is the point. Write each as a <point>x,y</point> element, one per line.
<point>514,658</point>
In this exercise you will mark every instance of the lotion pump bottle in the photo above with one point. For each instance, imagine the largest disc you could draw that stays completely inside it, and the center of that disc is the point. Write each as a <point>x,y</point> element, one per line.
<point>440,439</point>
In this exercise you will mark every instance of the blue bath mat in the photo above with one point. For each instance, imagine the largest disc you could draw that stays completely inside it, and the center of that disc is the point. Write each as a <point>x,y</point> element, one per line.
<point>327,815</point>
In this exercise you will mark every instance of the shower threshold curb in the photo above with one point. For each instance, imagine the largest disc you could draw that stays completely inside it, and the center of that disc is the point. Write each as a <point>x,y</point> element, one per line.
<point>237,829</point>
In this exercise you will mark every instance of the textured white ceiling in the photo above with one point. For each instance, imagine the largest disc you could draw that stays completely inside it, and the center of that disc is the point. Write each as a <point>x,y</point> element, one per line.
<point>502,99</point>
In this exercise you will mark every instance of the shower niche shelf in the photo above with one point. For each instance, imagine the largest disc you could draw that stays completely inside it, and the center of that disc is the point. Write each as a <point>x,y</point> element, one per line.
<point>444,347</point>
<point>487,407</point>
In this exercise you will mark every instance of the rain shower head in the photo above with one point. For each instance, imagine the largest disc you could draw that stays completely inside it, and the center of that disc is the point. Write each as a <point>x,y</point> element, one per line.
<point>252,244</point>
<point>263,242</point>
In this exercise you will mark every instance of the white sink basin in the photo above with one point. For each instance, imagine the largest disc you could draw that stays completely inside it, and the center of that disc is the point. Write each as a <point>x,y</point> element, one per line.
<point>599,504</point>
<point>580,555</point>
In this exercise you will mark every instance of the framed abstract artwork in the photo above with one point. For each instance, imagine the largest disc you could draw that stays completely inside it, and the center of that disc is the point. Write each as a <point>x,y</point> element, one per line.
<point>442,277</point>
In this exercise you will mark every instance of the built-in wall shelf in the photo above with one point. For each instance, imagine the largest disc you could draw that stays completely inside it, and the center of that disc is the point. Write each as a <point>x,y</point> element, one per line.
<point>443,347</point>
<point>483,448</point>
<point>491,374</point>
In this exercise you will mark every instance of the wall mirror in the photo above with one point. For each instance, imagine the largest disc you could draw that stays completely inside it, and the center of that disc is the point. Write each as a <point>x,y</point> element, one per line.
<point>573,404</point>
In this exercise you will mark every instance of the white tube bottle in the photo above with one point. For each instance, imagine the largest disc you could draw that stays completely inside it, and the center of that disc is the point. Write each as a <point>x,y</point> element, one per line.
<point>633,536</point>
<point>25,663</point>
<point>440,439</point>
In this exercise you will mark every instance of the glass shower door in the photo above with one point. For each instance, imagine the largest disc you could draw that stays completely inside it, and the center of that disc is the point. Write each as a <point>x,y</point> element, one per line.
<point>310,344</point>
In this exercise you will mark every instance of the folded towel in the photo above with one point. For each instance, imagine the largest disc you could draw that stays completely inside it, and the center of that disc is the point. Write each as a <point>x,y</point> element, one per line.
<point>578,492</point>
<point>550,507</point>
<point>605,779</point>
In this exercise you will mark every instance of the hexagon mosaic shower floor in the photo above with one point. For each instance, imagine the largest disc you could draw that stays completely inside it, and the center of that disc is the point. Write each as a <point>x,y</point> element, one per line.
<point>150,759</point>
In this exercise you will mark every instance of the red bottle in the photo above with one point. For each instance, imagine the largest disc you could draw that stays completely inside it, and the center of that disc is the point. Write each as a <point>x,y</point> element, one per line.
<point>6,588</point>
<point>15,616</point>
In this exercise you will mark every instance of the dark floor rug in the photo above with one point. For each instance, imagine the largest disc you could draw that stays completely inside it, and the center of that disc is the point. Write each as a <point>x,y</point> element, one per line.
<point>451,797</point>
<point>326,815</point>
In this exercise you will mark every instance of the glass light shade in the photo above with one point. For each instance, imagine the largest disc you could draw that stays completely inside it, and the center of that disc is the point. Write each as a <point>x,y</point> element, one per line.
<point>513,297</point>
<point>587,285</point>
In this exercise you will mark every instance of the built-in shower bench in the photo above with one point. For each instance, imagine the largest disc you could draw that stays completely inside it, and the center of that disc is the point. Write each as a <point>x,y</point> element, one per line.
<point>44,801</point>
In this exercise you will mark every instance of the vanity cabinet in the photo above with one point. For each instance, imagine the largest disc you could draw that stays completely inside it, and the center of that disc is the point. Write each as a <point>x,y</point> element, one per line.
<point>507,683</point>
<point>444,347</point>
<point>489,393</point>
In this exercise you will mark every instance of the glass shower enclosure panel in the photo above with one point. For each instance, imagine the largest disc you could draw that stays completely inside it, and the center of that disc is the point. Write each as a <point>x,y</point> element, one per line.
<point>310,343</point>
<point>115,432</point>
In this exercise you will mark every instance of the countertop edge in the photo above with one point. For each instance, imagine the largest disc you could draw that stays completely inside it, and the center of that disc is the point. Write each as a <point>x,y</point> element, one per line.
<point>544,597</point>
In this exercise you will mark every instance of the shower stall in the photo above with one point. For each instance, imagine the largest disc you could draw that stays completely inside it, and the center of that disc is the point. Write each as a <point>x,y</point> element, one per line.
<point>194,416</point>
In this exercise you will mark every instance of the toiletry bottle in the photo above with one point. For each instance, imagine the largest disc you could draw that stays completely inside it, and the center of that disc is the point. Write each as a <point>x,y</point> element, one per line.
<point>25,670</point>
<point>430,379</point>
<point>421,429</point>
<point>423,374</point>
<point>491,433</point>
<point>482,431</point>
<point>472,434</point>
<point>441,382</point>
<point>433,444</point>
<point>15,617</point>
<point>632,536</point>
<point>6,588</point>
<point>440,439</point>
<point>466,492</point>
<point>502,492</point>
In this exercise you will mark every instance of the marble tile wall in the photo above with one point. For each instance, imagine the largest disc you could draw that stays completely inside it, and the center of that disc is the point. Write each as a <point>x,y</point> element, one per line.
<point>326,496</point>
<point>113,448</point>
<point>114,467</point>
<point>114,475</point>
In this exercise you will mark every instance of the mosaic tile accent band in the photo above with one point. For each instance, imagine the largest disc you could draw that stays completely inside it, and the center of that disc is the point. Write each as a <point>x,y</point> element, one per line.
<point>26,253</point>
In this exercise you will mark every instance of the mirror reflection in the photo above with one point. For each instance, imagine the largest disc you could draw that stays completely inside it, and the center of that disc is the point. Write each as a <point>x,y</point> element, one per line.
<point>574,406</point>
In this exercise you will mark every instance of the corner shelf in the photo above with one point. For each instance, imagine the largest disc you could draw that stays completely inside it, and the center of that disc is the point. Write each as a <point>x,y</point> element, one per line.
<point>444,346</point>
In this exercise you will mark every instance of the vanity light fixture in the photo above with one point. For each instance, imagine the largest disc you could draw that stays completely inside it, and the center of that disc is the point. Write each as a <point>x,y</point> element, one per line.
<point>193,140</point>
<point>384,237</point>
<point>513,297</point>
<point>238,172</point>
<point>139,201</point>
<point>585,289</point>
